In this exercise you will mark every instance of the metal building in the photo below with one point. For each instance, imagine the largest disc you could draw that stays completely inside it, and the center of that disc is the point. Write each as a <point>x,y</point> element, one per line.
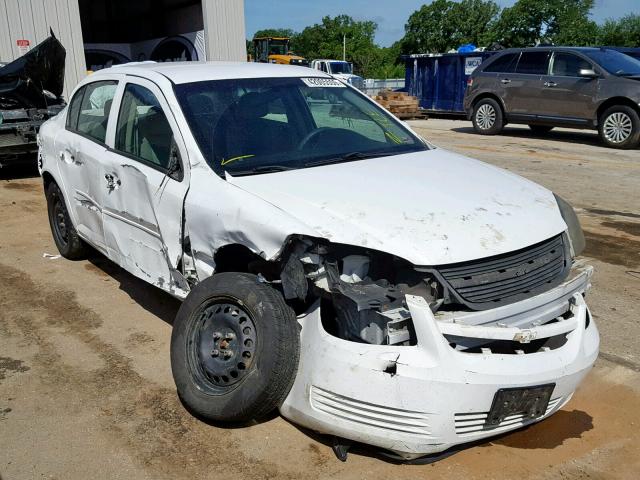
<point>103,32</point>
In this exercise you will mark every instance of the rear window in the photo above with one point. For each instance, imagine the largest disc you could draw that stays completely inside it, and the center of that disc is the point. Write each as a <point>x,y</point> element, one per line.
<point>533,63</point>
<point>504,64</point>
<point>94,110</point>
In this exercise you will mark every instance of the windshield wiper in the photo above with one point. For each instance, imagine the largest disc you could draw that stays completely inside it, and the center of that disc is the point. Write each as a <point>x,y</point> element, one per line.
<point>346,158</point>
<point>261,169</point>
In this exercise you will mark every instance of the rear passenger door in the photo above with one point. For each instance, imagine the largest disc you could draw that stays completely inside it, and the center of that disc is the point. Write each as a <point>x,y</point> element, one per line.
<point>80,148</point>
<point>144,181</point>
<point>523,88</point>
<point>567,95</point>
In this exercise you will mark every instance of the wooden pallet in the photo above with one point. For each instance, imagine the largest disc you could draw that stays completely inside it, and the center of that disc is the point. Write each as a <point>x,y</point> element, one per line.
<point>401,104</point>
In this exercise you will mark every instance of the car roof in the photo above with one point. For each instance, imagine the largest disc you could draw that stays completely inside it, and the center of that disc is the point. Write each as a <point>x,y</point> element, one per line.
<point>187,72</point>
<point>554,47</point>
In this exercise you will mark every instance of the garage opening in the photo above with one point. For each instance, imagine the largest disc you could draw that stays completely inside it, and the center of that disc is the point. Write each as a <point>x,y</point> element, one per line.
<point>120,31</point>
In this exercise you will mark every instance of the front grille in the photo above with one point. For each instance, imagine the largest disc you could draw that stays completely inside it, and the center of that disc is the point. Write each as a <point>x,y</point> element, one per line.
<point>468,423</point>
<point>369,414</point>
<point>490,282</point>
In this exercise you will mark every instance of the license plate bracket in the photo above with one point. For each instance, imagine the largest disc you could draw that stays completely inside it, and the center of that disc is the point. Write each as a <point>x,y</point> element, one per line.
<point>532,402</point>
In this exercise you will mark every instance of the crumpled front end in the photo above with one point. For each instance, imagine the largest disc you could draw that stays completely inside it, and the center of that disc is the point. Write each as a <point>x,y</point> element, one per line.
<point>414,363</point>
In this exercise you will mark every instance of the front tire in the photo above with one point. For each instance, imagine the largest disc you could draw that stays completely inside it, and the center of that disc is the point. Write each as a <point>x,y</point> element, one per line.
<point>487,117</point>
<point>619,127</point>
<point>65,236</point>
<point>234,348</point>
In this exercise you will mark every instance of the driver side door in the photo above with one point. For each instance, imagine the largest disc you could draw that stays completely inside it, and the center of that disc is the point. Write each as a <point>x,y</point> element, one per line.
<point>145,178</point>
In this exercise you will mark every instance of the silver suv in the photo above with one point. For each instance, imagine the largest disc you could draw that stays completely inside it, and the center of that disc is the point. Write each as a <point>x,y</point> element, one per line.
<point>590,88</point>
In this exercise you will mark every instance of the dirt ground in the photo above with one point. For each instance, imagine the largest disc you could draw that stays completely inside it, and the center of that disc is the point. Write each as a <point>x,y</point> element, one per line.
<point>85,382</point>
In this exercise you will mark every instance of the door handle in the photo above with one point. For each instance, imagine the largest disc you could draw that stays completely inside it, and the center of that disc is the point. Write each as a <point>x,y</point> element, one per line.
<point>113,182</point>
<point>550,84</point>
<point>504,81</point>
<point>67,156</point>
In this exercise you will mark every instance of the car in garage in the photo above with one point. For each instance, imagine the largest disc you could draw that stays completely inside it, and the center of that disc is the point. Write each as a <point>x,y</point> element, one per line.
<point>547,87</point>
<point>330,262</point>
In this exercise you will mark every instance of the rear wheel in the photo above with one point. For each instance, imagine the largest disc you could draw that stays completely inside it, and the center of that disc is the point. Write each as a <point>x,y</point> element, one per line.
<point>65,236</point>
<point>540,128</point>
<point>619,127</point>
<point>487,117</point>
<point>234,348</point>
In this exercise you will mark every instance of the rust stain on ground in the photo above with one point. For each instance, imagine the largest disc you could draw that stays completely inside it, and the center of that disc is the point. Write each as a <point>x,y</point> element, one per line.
<point>616,250</point>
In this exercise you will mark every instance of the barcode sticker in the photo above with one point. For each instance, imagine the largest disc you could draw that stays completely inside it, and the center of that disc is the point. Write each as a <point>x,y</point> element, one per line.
<point>323,82</point>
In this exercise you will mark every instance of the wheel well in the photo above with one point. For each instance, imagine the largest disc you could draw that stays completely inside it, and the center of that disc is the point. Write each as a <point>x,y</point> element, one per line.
<point>47,179</point>
<point>482,96</point>
<point>616,101</point>
<point>236,258</point>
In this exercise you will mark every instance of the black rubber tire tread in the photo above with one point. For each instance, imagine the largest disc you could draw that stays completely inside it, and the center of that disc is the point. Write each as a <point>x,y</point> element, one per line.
<point>278,350</point>
<point>497,126</point>
<point>634,139</point>
<point>75,248</point>
<point>540,128</point>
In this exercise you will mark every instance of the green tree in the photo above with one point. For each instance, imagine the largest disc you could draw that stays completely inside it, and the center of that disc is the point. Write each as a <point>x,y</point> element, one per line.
<point>324,40</point>
<point>621,33</point>
<point>445,24</point>
<point>557,21</point>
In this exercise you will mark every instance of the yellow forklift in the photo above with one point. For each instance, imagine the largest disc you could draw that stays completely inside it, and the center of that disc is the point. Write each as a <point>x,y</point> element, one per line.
<point>276,50</point>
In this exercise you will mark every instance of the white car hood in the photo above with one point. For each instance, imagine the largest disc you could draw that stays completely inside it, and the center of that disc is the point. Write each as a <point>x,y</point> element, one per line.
<point>430,208</point>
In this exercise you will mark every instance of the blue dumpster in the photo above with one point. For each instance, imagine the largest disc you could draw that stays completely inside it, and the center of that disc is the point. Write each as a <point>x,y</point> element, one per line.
<point>439,80</point>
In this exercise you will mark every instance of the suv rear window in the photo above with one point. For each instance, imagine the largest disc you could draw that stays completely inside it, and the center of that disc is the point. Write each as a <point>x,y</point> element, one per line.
<point>533,63</point>
<point>504,64</point>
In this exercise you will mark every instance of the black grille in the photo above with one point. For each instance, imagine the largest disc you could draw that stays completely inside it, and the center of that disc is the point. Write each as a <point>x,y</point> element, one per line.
<point>489,282</point>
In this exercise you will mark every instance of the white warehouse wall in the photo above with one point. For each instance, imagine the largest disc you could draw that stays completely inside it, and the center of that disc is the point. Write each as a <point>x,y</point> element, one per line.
<point>31,20</point>
<point>224,30</point>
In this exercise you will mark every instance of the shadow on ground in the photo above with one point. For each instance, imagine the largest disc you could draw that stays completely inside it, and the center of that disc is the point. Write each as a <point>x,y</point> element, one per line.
<point>152,299</point>
<point>583,137</point>
<point>25,169</point>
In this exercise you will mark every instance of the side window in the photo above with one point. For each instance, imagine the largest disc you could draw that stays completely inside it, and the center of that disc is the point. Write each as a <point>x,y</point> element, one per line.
<point>323,66</point>
<point>504,64</point>
<point>534,63</point>
<point>74,110</point>
<point>143,130</point>
<point>94,109</point>
<point>569,65</point>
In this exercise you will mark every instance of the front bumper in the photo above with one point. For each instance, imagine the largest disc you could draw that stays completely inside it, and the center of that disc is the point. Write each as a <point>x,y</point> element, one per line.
<point>423,399</point>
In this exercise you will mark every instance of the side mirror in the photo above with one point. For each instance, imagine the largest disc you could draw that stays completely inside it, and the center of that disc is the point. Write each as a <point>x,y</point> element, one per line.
<point>588,73</point>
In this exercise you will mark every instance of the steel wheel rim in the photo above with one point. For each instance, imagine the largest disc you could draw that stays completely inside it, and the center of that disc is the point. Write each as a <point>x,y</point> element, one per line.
<point>60,222</point>
<point>486,116</point>
<point>617,127</point>
<point>221,346</point>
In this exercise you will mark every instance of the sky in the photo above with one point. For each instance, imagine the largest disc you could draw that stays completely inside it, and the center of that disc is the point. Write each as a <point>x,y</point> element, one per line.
<point>389,15</point>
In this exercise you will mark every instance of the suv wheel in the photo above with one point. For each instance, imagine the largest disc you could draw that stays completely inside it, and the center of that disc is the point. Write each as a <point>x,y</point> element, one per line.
<point>235,347</point>
<point>619,127</point>
<point>487,117</point>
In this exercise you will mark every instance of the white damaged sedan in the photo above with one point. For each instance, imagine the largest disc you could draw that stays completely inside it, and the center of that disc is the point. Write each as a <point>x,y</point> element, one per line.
<point>331,263</point>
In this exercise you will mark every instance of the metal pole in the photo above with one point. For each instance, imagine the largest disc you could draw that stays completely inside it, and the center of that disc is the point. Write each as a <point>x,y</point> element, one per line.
<point>344,47</point>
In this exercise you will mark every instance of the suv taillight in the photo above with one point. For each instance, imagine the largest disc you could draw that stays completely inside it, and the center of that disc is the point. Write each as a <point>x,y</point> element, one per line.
<point>469,82</point>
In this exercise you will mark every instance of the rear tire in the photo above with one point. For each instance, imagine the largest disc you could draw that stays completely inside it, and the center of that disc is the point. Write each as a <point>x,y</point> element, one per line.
<point>65,236</point>
<point>234,348</point>
<point>487,117</point>
<point>540,128</point>
<point>619,127</point>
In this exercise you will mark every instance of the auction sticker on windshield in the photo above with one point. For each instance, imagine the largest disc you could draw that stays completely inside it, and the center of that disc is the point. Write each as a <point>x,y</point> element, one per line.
<point>323,82</point>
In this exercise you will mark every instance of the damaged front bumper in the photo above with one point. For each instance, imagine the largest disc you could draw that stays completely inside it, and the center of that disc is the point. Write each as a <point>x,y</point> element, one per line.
<point>426,398</point>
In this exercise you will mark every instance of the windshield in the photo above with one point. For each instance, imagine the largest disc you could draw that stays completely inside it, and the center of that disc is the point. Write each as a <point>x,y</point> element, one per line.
<point>277,49</point>
<point>340,67</point>
<point>249,126</point>
<point>615,62</point>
